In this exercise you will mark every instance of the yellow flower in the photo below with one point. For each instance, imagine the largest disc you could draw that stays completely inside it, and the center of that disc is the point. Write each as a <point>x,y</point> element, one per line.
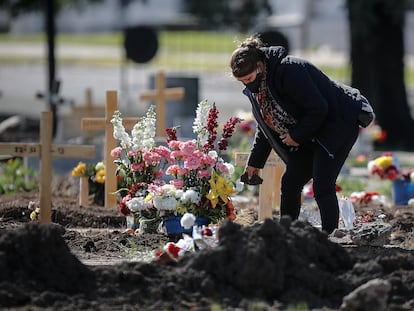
<point>100,176</point>
<point>79,170</point>
<point>384,161</point>
<point>220,189</point>
<point>148,198</point>
<point>99,166</point>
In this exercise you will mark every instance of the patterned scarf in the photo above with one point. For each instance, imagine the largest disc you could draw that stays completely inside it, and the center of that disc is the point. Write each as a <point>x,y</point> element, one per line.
<point>273,114</point>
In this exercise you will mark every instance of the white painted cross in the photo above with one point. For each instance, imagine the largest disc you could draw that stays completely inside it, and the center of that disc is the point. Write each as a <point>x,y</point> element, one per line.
<point>45,151</point>
<point>98,124</point>
<point>160,95</point>
<point>269,190</point>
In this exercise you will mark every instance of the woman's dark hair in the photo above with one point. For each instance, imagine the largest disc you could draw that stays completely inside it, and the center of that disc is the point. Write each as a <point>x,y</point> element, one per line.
<point>244,59</point>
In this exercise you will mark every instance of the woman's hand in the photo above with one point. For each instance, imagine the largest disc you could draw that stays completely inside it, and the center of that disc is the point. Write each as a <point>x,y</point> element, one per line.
<point>251,176</point>
<point>250,170</point>
<point>288,141</point>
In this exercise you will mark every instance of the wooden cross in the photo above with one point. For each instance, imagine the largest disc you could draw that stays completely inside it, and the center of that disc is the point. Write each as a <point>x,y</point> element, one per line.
<point>98,124</point>
<point>88,110</point>
<point>160,95</point>
<point>269,190</point>
<point>45,151</point>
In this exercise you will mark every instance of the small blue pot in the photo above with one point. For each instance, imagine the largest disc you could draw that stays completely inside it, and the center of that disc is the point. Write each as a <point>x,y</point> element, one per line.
<point>173,225</point>
<point>403,190</point>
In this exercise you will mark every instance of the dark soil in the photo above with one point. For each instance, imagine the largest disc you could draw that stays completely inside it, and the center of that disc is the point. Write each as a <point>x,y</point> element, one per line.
<point>86,261</point>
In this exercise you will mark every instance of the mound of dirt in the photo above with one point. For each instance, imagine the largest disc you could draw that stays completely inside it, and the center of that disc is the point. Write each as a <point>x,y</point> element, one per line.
<point>275,264</point>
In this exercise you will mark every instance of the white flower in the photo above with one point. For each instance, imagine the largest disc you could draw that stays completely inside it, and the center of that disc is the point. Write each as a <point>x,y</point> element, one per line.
<point>137,204</point>
<point>119,131</point>
<point>164,203</point>
<point>191,196</point>
<point>187,221</point>
<point>371,166</point>
<point>412,177</point>
<point>200,122</point>
<point>144,131</point>
<point>213,154</point>
<point>179,193</point>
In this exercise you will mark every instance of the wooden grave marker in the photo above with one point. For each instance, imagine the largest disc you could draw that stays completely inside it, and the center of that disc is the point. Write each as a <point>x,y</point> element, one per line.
<point>160,95</point>
<point>88,109</point>
<point>269,190</point>
<point>99,124</point>
<point>45,151</point>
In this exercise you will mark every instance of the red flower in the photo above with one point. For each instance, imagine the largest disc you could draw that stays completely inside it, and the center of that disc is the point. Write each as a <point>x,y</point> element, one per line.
<point>228,131</point>
<point>211,128</point>
<point>171,134</point>
<point>172,249</point>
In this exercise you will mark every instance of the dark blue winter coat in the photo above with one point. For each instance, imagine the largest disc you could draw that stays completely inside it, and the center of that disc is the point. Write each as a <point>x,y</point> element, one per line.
<point>326,111</point>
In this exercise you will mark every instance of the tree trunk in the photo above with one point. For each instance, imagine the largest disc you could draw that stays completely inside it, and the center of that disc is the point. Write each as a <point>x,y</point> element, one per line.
<point>377,52</point>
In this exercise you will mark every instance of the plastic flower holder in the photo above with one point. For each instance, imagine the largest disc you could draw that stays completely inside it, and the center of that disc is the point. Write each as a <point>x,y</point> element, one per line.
<point>132,221</point>
<point>173,226</point>
<point>149,225</point>
<point>403,190</point>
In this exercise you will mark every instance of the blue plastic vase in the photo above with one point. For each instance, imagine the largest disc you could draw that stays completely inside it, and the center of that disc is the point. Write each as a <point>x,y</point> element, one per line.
<point>403,190</point>
<point>173,225</point>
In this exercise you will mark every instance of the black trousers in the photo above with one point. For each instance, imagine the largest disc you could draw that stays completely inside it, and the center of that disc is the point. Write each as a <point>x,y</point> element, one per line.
<point>311,161</point>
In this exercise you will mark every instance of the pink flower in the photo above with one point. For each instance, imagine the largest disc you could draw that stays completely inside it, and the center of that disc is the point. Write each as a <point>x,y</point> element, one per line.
<point>188,147</point>
<point>204,173</point>
<point>172,170</point>
<point>208,160</point>
<point>158,173</point>
<point>182,171</point>
<point>137,167</point>
<point>174,144</point>
<point>151,158</point>
<point>176,154</point>
<point>132,153</point>
<point>221,167</point>
<point>177,183</point>
<point>192,163</point>
<point>116,152</point>
<point>163,151</point>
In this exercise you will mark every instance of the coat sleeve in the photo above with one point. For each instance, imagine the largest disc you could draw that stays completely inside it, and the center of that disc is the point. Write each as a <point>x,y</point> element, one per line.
<point>260,150</point>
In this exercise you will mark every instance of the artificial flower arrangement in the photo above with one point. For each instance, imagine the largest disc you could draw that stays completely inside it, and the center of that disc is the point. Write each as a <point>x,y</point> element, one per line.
<point>96,179</point>
<point>387,166</point>
<point>179,177</point>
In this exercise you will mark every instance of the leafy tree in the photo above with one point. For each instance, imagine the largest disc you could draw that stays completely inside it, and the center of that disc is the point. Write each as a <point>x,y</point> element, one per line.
<point>377,57</point>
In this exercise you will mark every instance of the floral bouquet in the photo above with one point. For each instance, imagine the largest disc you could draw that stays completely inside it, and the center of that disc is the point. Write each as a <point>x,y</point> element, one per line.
<point>180,177</point>
<point>387,167</point>
<point>96,179</point>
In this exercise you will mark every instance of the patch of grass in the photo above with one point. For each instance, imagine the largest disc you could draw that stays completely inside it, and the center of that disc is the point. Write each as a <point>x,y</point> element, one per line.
<point>15,177</point>
<point>350,184</point>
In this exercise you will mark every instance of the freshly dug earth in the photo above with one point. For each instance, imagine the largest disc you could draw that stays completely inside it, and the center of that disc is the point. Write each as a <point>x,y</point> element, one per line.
<point>86,261</point>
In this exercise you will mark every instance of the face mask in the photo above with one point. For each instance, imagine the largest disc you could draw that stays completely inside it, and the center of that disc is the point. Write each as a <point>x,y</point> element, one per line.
<point>255,84</point>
